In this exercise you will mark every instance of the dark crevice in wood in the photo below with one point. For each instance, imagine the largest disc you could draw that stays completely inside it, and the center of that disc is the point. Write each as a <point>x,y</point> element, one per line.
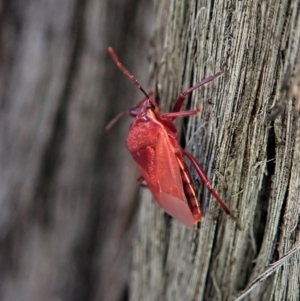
<point>264,196</point>
<point>212,264</point>
<point>167,228</point>
<point>211,13</point>
<point>125,296</point>
<point>261,212</point>
<point>258,94</point>
<point>195,244</point>
<point>186,106</point>
<point>280,223</point>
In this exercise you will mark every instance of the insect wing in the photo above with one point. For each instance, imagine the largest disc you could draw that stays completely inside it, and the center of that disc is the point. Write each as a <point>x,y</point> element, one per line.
<point>159,167</point>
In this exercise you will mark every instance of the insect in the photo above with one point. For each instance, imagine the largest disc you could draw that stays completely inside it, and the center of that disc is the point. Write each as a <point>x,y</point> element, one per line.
<point>153,143</point>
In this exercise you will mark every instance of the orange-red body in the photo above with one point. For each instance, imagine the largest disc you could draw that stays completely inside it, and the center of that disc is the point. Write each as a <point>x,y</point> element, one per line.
<point>153,143</point>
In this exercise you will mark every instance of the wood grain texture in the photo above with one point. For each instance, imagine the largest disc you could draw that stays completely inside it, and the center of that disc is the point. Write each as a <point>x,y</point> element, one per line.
<point>253,164</point>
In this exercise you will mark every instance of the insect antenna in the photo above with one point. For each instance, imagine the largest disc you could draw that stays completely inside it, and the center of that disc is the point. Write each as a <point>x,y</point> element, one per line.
<point>114,120</point>
<point>125,71</point>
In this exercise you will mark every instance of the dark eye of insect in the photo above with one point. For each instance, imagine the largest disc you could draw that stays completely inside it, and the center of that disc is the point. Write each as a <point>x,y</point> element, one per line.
<point>150,106</point>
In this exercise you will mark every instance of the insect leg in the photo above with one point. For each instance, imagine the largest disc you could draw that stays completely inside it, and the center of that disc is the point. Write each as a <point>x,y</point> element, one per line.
<point>179,102</point>
<point>119,116</point>
<point>174,115</point>
<point>207,184</point>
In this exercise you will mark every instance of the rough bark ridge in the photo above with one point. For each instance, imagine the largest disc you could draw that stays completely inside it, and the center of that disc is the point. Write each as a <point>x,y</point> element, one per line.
<point>253,164</point>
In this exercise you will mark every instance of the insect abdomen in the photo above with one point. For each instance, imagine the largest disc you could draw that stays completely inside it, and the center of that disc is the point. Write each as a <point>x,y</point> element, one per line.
<point>188,189</point>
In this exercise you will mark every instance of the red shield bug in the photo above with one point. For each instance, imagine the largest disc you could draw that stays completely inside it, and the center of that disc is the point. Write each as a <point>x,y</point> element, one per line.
<point>153,143</point>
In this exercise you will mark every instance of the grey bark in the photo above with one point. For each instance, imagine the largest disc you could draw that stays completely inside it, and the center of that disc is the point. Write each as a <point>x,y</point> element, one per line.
<point>253,164</point>
<point>66,186</point>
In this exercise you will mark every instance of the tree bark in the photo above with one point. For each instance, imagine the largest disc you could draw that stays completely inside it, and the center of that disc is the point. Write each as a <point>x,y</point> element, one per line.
<point>253,163</point>
<point>66,186</point>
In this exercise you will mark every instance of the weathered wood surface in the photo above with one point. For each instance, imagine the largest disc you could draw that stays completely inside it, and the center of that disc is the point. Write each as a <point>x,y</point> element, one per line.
<point>253,164</point>
<point>66,186</point>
